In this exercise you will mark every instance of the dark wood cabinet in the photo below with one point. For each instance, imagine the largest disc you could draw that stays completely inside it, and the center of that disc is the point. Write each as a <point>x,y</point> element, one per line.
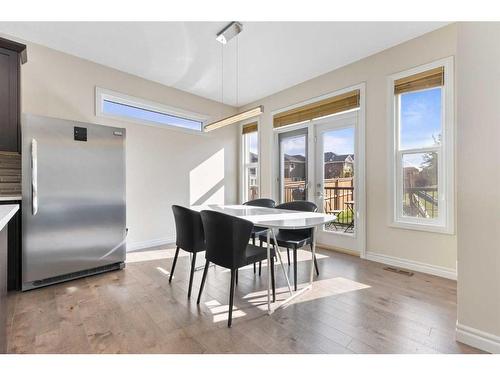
<point>9,101</point>
<point>3,289</point>
<point>14,266</point>
<point>12,55</point>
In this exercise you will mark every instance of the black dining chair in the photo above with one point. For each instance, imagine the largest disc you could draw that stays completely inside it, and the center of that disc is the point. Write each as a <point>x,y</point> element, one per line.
<point>189,237</point>
<point>256,231</point>
<point>294,238</point>
<point>227,239</point>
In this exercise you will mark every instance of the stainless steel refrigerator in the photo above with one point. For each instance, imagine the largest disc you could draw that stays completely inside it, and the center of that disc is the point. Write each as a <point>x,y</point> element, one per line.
<point>73,190</point>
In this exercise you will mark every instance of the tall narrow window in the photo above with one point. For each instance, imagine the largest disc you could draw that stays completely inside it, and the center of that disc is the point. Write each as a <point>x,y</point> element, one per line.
<point>250,147</point>
<point>423,147</point>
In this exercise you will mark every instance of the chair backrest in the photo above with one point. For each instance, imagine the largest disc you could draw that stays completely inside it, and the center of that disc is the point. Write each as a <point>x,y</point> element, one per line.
<point>304,206</point>
<point>226,238</point>
<point>189,229</point>
<point>261,202</point>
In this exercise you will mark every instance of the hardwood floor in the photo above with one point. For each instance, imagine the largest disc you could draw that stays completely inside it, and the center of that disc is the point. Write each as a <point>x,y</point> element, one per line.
<point>354,307</point>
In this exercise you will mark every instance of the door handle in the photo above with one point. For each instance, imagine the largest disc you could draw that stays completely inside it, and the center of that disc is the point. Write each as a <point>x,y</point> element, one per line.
<point>34,177</point>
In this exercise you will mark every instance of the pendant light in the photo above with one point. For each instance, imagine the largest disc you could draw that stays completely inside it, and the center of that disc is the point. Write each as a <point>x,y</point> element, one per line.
<point>224,36</point>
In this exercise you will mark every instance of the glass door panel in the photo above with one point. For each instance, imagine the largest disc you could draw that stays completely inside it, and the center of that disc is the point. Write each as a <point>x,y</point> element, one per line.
<point>293,165</point>
<point>336,187</point>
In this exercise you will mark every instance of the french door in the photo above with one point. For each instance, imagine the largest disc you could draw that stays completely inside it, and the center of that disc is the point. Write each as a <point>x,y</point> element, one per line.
<point>337,188</point>
<point>322,161</point>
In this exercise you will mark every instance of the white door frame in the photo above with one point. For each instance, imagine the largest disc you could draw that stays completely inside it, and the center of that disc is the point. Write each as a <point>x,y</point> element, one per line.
<point>360,165</point>
<point>350,241</point>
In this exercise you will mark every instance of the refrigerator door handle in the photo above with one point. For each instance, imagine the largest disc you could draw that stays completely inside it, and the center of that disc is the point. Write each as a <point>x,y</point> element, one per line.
<point>34,177</point>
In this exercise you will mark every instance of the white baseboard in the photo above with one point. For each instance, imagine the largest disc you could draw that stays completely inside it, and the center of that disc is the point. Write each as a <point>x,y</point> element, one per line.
<point>150,243</point>
<point>478,339</point>
<point>448,273</point>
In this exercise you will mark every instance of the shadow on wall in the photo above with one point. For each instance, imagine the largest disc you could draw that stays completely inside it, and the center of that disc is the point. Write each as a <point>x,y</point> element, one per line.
<point>206,181</point>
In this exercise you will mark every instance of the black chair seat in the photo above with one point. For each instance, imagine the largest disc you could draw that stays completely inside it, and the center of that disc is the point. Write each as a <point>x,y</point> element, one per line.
<point>256,254</point>
<point>288,239</point>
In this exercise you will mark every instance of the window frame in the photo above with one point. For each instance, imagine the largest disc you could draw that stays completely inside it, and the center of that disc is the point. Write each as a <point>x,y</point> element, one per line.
<point>244,165</point>
<point>445,222</point>
<point>102,95</point>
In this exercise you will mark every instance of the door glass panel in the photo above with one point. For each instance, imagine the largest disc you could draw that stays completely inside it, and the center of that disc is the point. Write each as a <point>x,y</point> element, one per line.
<point>293,165</point>
<point>338,178</point>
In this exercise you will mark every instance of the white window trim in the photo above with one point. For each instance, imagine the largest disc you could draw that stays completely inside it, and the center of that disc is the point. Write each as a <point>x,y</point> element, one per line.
<point>244,165</point>
<point>446,180</point>
<point>102,94</point>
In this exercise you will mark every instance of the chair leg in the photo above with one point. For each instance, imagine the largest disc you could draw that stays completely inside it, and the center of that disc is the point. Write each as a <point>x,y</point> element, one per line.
<point>315,262</point>
<point>231,297</point>
<point>273,281</point>
<point>237,277</point>
<point>253,243</point>
<point>288,255</point>
<point>295,268</point>
<point>193,262</point>
<point>173,264</point>
<point>204,277</point>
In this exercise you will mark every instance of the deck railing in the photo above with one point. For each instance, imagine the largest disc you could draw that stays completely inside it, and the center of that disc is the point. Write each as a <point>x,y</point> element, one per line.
<point>335,199</point>
<point>421,202</point>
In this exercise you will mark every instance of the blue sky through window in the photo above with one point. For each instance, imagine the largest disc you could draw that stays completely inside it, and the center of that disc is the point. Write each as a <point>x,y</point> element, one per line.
<point>119,109</point>
<point>295,145</point>
<point>340,141</point>
<point>253,142</point>
<point>420,118</point>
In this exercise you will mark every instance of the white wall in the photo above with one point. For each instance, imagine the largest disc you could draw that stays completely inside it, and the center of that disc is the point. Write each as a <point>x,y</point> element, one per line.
<point>164,167</point>
<point>478,78</point>
<point>438,251</point>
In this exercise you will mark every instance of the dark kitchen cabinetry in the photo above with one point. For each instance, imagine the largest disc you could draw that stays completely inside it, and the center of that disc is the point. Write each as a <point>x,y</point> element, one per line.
<point>14,249</point>
<point>12,55</point>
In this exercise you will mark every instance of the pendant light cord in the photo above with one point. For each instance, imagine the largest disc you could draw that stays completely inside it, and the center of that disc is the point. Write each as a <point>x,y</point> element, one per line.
<point>222,74</point>
<point>237,70</point>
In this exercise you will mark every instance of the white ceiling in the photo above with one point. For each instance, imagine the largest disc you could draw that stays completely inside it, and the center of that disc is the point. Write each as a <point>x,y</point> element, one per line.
<point>272,55</point>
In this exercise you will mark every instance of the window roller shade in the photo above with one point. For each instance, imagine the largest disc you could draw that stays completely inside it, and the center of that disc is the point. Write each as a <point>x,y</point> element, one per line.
<point>425,80</point>
<point>330,106</point>
<point>249,128</point>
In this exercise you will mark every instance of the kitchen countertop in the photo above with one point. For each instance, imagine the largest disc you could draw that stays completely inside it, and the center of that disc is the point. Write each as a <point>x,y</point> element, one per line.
<point>10,198</point>
<point>6,213</point>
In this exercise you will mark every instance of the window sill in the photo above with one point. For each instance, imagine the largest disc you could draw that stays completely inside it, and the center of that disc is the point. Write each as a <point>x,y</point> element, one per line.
<point>422,227</point>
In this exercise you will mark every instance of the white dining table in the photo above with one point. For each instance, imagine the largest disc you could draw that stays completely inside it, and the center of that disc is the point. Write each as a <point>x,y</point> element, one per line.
<point>274,219</point>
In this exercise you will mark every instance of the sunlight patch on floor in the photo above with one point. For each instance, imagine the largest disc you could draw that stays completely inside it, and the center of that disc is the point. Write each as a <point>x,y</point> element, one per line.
<point>220,311</point>
<point>163,271</point>
<point>145,256</point>
<point>321,289</point>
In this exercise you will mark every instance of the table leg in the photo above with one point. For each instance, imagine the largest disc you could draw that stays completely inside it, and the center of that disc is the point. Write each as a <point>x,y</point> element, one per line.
<point>278,254</point>
<point>294,295</point>
<point>269,271</point>
<point>313,254</point>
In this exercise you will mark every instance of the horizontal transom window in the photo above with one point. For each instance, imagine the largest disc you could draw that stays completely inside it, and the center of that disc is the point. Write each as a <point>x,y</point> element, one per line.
<point>120,106</point>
